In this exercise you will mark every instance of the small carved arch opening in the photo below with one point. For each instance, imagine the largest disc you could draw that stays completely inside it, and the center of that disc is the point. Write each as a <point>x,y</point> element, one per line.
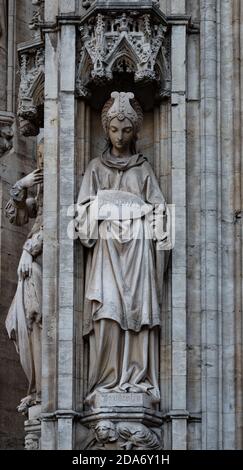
<point>124,64</point>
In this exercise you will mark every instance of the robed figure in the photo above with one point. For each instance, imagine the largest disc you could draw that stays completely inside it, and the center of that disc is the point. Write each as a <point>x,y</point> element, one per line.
<point>121,222</point>
<point>24,319</point>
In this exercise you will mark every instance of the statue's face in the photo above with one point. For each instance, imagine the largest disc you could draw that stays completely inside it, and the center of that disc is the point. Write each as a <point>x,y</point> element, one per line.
<point>121,134</point>
<point>102,433</point>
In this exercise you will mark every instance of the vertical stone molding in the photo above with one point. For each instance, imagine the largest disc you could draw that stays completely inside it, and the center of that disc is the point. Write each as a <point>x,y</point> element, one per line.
<point>178,412</point>
<point>66,345</point>
<point>50,250</point>
<point>210,297</point>
<point>228,189</point>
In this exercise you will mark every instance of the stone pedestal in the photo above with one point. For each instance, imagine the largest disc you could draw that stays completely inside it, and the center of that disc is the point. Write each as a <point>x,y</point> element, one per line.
<point>33,429</point>
<point>121,421</point>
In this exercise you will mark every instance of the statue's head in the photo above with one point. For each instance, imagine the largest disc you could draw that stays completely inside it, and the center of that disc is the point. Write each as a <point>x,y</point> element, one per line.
<point>122,118</point>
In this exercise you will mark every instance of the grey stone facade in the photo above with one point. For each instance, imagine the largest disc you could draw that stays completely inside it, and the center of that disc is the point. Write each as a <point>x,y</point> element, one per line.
<point>192,137</point>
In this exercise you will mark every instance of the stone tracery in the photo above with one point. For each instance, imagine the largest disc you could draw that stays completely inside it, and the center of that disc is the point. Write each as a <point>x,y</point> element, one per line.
<point>132,42</point>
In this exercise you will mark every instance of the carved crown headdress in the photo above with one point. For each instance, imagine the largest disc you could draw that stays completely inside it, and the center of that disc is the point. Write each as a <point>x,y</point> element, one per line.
<point>122,105</point>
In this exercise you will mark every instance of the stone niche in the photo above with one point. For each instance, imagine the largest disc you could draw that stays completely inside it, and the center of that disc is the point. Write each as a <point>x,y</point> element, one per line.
<point>123,48</point>
<point>126,47</point>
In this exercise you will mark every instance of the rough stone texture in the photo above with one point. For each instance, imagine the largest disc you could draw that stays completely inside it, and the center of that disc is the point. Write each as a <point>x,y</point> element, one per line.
<point>16,162</point>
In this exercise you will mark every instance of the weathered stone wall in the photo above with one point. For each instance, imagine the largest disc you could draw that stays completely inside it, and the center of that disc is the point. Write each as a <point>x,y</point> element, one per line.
<point>214,224</point>
<point>16,162</point>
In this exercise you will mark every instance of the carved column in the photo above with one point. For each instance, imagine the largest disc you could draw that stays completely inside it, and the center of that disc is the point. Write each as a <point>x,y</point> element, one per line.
<point>66,321</point>
<point>58,290</point>
<point>211,262</point>
<point>178,413</point>
<point>50,251</point>
<point>228,247</point>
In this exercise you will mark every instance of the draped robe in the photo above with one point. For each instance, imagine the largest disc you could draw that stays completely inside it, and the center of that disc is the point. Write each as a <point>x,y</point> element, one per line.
<point>24,319</point>
<point>122,312</point>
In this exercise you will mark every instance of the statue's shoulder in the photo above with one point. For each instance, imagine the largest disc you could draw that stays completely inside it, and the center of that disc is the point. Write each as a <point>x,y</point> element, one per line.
<point>94,163</point>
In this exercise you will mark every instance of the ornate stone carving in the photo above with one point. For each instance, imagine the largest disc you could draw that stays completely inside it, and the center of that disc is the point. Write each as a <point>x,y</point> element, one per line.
<point>37,18</point>
<point>87,3</point>
<point>31,442</point>
<point>125,435</point>
<point>24,319</point>
<point>31,90</point>
<point>6,132</point>
<point>134,42</point>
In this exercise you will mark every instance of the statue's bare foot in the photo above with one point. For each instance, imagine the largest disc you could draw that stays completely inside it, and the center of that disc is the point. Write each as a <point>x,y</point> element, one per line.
<point>25,403</point>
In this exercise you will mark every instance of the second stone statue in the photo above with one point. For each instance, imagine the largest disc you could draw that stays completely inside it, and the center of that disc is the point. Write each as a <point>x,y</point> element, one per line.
<point>24,320</point>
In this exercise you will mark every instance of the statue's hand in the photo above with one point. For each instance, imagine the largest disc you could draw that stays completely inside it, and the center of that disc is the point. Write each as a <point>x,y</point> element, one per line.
<point>36,177</point>
<point>25,265</point>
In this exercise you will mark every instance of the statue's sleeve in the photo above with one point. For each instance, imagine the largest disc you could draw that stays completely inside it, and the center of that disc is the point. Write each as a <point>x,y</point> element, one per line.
<point>34,245</point>
<point>154,196</point>
<point>86,221</point>
<point>20,207</point>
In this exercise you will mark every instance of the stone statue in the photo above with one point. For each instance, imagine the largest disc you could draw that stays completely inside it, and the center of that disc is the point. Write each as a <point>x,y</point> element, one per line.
<point>121,214</point>
<point>24,318</point>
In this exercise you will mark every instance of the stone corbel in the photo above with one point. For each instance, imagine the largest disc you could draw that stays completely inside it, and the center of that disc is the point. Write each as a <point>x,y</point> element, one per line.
<point>126,435</point>
<point>31,90</point>
<point>6,132</point>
